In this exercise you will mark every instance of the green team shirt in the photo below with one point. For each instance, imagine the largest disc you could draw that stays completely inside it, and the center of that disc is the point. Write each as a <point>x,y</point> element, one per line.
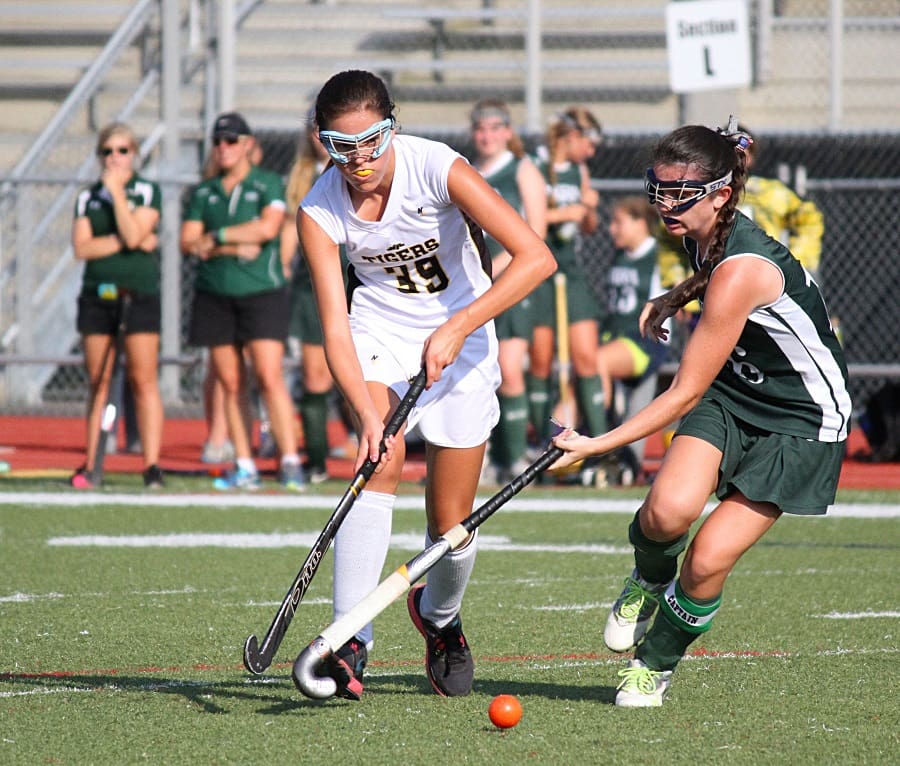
<point>230,275</point>
<point>787,372</point>
<point>563,188</point>
<point>503,180</point>
<point>136,270</point>
<point>631,281</point>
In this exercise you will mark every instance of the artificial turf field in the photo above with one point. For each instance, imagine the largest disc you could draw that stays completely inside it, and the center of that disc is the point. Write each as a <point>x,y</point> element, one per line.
<point>122,618</point>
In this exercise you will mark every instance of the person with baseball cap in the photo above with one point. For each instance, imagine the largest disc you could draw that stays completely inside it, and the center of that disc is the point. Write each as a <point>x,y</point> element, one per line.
<point>232,227</point>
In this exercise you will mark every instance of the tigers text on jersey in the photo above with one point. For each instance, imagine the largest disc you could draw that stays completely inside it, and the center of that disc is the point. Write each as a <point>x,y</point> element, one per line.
<point>787,372</point>
<point>420,263</point>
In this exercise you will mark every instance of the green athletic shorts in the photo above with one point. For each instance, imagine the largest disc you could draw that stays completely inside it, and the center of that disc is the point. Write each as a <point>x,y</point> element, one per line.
<point>798,475</point>
<point>581,301</point>
<point>305,323</point>
<point>517,321</point>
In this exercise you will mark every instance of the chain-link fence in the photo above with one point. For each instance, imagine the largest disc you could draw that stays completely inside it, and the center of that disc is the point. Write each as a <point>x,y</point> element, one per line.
<point>844,177</point>
<point>820,101</point>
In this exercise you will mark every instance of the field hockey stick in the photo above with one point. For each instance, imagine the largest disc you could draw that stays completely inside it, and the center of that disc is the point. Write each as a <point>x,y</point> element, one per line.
<point>258,657</point>
<point>306,679</point>
<point>564,359</point>
<point>110,416</point>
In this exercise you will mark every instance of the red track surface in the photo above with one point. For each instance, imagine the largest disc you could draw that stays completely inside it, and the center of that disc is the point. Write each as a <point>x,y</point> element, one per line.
<point>35,443</point>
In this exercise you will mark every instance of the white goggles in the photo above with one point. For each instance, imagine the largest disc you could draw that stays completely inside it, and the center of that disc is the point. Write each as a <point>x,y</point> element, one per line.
<point>368,145</point>
<point>681,195</point>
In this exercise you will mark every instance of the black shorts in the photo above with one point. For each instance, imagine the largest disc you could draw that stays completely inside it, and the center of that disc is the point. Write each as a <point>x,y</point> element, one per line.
<point>98,316</point>
<point>224,320</point>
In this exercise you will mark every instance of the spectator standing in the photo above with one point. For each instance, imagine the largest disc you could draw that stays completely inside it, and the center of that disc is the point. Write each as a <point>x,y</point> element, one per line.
<point>241,300</point>
<point>501,159</point>
<point>572,139</point>
<point>317,383</point>
<point>114,233</point>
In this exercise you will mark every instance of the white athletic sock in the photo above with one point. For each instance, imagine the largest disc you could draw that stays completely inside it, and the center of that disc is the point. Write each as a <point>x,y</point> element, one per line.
<point>446,584</point>
<point>246,464</point>
<point>360,549</point>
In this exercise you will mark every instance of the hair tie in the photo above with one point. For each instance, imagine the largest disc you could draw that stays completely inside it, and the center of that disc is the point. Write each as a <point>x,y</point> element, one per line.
<point>733,134</point>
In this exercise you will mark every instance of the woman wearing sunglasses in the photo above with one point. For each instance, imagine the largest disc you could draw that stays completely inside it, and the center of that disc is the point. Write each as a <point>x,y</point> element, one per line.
<point>241,300</point>
<point>410,213</point>
<point>114,233</point>
<point>762,387</point>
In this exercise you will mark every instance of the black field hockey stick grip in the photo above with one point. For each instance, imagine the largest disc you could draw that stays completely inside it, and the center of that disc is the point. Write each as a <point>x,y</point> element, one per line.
<point>109,417</point>
<point>304,673</point>
<point>258,657</point>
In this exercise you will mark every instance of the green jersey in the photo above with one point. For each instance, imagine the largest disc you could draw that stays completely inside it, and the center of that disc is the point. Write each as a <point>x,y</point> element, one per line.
<point>631,281</point>
<point>136,270</point>
<point>230,275</point>
<point>503,180</point>
<point>563,188</point>
<point>787,372</point>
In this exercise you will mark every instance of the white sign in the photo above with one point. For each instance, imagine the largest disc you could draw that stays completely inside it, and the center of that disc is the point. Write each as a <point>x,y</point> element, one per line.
<point>709,45</point>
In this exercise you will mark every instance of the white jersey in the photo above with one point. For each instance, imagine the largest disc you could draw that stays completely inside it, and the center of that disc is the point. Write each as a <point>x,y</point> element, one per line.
<point>419,264</point>
<point>409,273</point>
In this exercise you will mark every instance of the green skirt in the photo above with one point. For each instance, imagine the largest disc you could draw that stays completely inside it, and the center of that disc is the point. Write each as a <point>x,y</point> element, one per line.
<point>796,474</point>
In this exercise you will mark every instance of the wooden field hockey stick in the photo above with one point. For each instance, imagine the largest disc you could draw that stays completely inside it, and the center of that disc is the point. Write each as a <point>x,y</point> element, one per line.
<point>304,673</point>
<point>109,419</point>
<point>258,657</point>
<point>568,411</point>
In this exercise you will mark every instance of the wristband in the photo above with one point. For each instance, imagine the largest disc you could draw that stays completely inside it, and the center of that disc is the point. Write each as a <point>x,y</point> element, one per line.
<point>219,236</point>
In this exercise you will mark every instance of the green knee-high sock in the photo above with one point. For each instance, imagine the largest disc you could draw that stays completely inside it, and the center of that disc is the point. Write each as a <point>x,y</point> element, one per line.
<point>655,562</point>
<point>680,621</point>
<point>539,406</point>
<point>512,436</point>
<point>590,402</point>
<point>314,411</point>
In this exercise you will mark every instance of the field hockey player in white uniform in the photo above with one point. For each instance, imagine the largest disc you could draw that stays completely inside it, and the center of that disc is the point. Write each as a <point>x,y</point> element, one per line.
<point>410,213</point>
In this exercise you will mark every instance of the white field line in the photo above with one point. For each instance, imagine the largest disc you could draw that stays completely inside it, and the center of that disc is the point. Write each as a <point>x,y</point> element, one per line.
<point>407,542</point>
<point>404,503</point>
<point>855,615</point>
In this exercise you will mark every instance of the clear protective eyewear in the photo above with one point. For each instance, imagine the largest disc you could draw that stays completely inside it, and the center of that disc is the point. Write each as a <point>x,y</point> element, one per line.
<point>681,195</point>
<point>368,145</point>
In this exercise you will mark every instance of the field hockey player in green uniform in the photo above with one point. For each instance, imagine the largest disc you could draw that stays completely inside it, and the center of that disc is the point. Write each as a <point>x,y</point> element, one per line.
<point>501,159</point>
<point>114,233</point>
<point>572,140</point>
<point>631,280</point>
<point>762,386</point>
<point>232,226</point>
<point>317,383</point>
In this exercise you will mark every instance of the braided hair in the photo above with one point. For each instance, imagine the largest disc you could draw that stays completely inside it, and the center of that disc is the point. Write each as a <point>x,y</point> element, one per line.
<point>714,153</point>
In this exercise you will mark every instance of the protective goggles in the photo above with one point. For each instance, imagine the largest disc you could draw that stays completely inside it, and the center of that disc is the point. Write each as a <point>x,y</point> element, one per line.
<point>679,196</point>
<point>368,145</point>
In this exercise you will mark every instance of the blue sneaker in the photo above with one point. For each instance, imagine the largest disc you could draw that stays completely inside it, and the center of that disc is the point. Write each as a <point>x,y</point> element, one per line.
<point>237,479</point>
<point>292,477</point>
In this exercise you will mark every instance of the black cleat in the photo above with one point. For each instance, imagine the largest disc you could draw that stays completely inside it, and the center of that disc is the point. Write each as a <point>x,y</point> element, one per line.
<point>448,661</point>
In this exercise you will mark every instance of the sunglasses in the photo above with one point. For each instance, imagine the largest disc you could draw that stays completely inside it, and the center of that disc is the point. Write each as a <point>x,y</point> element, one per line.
<point>106,151</point>
<point>368,145</point>
<point>231,140</point>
